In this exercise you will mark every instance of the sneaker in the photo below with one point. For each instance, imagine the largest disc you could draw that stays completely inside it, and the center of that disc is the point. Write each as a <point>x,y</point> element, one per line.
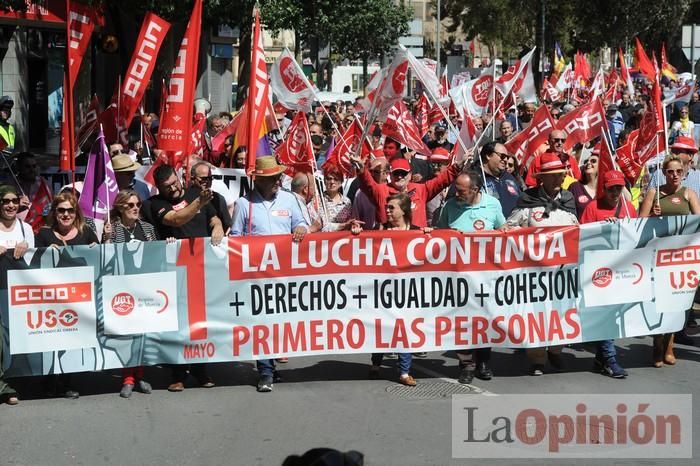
<point>421,354</point>
<point>283,360</point>
<point>126,391</point>
<point>466,375</point>
<point>556,361</point>
<point>536,369</point>
<point>391,356</point>
<point>145,387</point>
<point>265,384</point>
<point>71,394</point>
<point>612,369</point>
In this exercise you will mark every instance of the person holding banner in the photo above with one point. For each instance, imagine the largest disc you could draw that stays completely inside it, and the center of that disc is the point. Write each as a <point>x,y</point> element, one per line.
<point>183,214</point>
<point>672,199</point>
<point>268,210</point>
<point>472,210</point>
<point>545,205</point>
<point>128,227</point>
<point>398,215</point>
<point>15,238</point>
<point>65,226</point>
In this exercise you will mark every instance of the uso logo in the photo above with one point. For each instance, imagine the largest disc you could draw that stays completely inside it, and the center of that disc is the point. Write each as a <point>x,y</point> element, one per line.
<point>602,277</point>
<point>122,304</point>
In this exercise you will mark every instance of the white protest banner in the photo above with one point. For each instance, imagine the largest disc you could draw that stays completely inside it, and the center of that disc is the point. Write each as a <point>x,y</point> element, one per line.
<point>144,303</point>
<point>50,311</point>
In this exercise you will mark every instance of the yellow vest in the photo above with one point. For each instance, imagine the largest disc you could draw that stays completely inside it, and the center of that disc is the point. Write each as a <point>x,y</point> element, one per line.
<point>8,135</point>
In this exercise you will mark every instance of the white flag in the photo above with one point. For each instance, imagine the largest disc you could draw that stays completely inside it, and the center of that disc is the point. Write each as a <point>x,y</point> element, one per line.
<point>566,79</point>
<point>289,83</point>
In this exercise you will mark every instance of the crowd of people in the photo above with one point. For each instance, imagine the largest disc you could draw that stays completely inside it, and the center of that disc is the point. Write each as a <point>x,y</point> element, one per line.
<point>394,188</point>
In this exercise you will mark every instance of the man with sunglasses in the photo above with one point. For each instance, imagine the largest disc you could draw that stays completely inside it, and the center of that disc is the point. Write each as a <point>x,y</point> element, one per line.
<point>685,148</point>
<point>35,193</point>
<point>222,199</point>
<point>556,140</point>
<point>400,182</point>
<point>499,183</point>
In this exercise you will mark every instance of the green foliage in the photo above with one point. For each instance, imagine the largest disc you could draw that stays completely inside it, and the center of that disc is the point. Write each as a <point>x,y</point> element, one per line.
<point>585,25</point>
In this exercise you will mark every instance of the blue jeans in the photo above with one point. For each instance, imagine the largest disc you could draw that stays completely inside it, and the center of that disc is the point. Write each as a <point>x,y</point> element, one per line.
<point>606,350</point>
<point>405,360</point>
<point>266,367</point>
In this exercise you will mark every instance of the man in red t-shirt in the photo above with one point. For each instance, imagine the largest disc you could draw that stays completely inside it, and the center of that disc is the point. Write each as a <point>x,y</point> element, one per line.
<point>420,193</point>
<point>612,205</point>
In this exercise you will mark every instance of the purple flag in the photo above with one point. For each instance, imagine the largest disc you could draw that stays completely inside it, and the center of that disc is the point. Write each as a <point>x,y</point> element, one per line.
<point>100,186</point>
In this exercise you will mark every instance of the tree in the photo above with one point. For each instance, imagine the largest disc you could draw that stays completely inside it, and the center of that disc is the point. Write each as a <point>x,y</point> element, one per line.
<point>365,29</point>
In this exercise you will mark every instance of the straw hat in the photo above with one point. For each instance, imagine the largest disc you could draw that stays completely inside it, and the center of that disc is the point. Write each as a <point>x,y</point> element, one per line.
<point>122,163</point>
<point>267,166</point>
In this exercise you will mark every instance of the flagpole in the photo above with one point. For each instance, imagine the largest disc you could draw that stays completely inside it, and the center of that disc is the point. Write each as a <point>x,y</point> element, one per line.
<point>493,95</point>
<point>515,102</point>
<point>106,187</point>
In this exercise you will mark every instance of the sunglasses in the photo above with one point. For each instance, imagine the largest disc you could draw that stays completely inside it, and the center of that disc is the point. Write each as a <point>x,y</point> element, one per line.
<point>205,178</point>
<point>555,140</point>
<point>64,211</point>
<point>672,172</point>
<point>511,165</point>
<point>332,180</point>
<point>399,173</point>
<point>10,200</point>
<point>131,205</point>
<point>501,155</point>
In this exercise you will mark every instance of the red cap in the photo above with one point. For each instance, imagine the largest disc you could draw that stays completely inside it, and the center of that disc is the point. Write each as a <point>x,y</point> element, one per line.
<point>684,143</point>
<point>613,178</point>
<point>399,163</point>
<point>440,155</point>
<point>551,163</point>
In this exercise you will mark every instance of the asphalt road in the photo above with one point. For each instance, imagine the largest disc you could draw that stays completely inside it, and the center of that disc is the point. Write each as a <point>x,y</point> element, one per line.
<point>321,403</point>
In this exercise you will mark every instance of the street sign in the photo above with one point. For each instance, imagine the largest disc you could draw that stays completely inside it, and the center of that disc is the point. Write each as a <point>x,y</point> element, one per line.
<point>690,42</point>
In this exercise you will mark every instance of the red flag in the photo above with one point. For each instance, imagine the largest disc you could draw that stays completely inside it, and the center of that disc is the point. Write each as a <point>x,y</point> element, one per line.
<point>347,146</point>
<point>90,123</point>
<point>651,140</point>
<point>582,70</point>
<point>644,65</point>
<point>549,91</point>
<point>258,95</point>
<point>80,23</point>
<point>605,164</point>
<point>399,126</point>
<point>217,142</point>
<point>296,151</point>
<point>629,165</point>
<point>197,142</point>
<point>143,62</point>
<point>35,214</point>
<point>583,124</point>
<point>175,128</point>
<point>422,115</point>
<point>523,144</point>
